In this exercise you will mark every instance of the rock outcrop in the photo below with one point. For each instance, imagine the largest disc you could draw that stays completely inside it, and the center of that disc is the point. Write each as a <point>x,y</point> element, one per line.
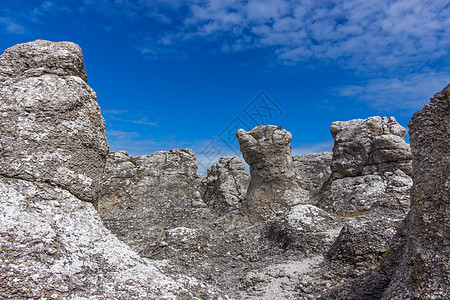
<point>424,264</point>
<point>273,188</point>
<point>51,126</point>
<point>52,157</point>
<point>371,168</point>
<point>416,265</point>
<point>55,246</point>
<point>313,226</point>
<point>312,170</point>
<point>225,186</point>
<point>142,195</point>
<point>368,189</point>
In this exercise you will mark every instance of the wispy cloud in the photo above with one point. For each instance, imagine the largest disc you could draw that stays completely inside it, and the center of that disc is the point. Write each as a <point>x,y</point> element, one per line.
<point>132,116</point>
<point>11,26</point>
<point>407,92</point>
<point>356,34</point>
<point>319,147</point>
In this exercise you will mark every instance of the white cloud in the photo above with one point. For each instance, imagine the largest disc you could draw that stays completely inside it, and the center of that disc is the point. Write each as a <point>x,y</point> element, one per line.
<point>408,92</point>
<point>356,33</point>
<point>319,147</point>
<point>12,26</point>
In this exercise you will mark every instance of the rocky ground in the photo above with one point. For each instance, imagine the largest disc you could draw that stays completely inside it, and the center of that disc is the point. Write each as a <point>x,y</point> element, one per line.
<point>77,221</point>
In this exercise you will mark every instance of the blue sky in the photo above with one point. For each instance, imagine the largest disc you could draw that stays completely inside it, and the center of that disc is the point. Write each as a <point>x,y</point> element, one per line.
<point>175,74</point>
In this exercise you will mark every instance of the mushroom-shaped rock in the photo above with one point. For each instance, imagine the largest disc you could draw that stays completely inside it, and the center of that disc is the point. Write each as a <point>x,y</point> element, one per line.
<point>273,187</point>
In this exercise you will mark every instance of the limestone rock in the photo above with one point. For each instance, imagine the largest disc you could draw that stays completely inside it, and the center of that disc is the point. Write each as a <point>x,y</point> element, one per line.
<point>272,187</point>
<point>424,266</point>
<point>55,246</point>
<point>40,57</point>
<point>304,227</point>
<point>140,195</point>
<point>51,125</point>
<point>371,168</point>
<point>312,170</point>
<point>369,146</point>
<point>225,185</point>
<point>363,242</point>
<point>417,263</point>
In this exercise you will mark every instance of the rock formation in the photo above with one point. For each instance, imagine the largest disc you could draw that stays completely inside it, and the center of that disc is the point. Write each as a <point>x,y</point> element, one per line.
<point>313,226</point>
<point>51,125</point>
<point>225,186</point>
<point>273,187</point>
<point>424,264</point>
<point>312,170</point>
<point>416,264</point>
<point>141,195</point>
<point>370,167</point>
<point>53,150</point>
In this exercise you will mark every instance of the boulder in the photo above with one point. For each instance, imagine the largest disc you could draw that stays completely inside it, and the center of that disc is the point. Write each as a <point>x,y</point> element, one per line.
<point>369,146</point>
<point>273,187</point>
<point>225,185</point>
<point>51,126</point>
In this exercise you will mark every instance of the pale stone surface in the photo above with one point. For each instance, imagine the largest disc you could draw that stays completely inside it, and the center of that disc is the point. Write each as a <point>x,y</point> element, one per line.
<point>371,168</point>
<point>312,170</point>
<point>417,261</point>
<point>41,57</point>
<point>226,183</point>
<point>423,267</point>
<point>368,146</point>
<point>55,246</point>
<point>273,188</point>
<point>50,122</point>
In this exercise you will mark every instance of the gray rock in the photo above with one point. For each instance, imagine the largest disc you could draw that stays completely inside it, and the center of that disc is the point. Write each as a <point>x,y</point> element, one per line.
<point>225,185</point>
<point>371,165</point>
<point>423,267</point>
<point>40,57</point>
<point>312,170</point>
<point>416,265</point>
<point>56,246</point>
<point>369,146</point>
<point>141,195</point>
<point>363,242</point>
<point>273,187</point>
<point>304,227</point>
<point>51,125</point>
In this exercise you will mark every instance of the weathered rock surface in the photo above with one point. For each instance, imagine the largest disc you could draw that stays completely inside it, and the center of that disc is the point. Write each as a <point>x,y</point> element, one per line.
<point>51,126</point>
<point>225,185</point>
<point>312,170</point>
<point>417,264</point>
<point>424,266</point>
<point>371,165</point>
<point>53,151</point>
<point>273,188</point>
<point>55,246</point>
<point>369,146</point>
<point>40,57</point>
